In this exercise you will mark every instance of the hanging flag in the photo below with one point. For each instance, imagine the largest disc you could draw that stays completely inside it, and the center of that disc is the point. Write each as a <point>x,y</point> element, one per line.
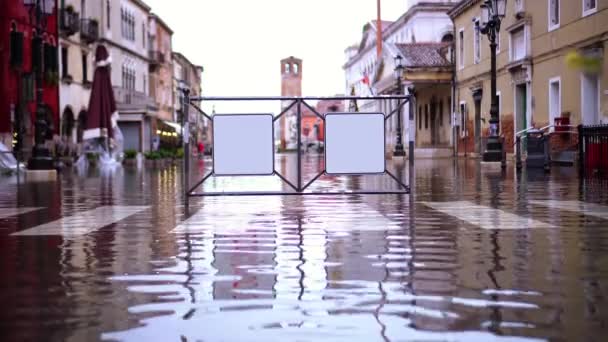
<point>365,79</point>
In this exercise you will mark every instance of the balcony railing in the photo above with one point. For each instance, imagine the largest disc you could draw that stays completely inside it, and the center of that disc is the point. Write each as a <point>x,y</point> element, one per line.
<point>89,30</point>
<point>133,100</point>
<point>70,22</point>
<point>156,57</point>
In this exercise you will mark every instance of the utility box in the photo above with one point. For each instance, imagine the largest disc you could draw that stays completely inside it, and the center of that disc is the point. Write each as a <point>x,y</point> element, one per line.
<point>537,147</point>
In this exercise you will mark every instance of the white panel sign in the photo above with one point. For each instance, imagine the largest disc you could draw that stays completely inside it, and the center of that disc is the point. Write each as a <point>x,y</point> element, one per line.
<point>354,143</point>
<point>243,144</point>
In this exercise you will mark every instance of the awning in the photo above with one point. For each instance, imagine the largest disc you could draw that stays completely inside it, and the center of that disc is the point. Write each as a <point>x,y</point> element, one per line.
<point>167,129</point>
<point>176,126</point>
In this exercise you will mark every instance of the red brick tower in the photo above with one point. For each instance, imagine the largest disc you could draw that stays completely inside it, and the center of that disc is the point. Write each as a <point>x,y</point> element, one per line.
<point>291,85</point>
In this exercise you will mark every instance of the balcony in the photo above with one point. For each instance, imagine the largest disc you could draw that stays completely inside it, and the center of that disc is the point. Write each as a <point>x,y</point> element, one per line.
<point>156,57</point>
<point>89,30</point>
<point>131,100</point>
<point>70,22</point>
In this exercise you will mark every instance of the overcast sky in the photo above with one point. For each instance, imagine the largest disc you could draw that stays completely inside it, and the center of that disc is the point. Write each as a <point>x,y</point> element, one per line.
<point>241,42</point>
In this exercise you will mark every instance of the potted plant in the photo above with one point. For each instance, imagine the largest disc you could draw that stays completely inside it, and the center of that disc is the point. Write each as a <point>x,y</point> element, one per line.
<point>152,158</point>
<point>130,158</point>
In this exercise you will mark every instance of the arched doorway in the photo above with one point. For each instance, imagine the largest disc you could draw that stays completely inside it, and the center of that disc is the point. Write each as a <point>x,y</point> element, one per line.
<point>82,123</point>
<point>67,125</point>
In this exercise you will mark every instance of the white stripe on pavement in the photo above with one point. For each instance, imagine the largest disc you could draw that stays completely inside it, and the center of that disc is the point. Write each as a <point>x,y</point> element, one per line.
<point>589,209</point>
<point>83,222</point>
<point>8,212</point>
<point>486,217</point>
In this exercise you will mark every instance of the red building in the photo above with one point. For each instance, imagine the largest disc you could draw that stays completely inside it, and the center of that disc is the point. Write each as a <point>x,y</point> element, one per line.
<point>18,39</point>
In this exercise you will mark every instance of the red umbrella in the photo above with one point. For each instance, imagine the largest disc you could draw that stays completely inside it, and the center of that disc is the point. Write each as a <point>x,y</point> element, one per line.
<point>102,106</point>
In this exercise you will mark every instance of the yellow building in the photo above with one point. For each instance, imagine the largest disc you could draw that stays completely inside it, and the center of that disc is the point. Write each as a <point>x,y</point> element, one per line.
<point>549,63</point>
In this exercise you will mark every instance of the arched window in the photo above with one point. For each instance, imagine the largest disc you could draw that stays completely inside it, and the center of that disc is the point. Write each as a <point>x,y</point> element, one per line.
<point>287,68</point>
<point>67,123</point>
<point>295,68</point>
<point>83,9</point>
<point>108,16</point>
<point>447,38</point>
<point>82,124</point>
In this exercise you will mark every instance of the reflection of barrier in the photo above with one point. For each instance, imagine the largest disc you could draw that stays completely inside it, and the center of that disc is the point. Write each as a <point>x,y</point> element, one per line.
<point>244,144</point>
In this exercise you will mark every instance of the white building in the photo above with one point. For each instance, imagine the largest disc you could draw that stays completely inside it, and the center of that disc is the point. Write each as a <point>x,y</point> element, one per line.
<point>125,32</point>
<point>422,36</point>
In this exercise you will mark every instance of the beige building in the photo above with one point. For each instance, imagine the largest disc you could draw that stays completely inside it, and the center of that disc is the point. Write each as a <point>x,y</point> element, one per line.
<point>535,83</point>
<point>78,33</point>
<point>189,73</point>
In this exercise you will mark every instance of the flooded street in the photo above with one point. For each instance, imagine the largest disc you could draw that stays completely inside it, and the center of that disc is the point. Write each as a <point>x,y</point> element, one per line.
<point>474,253</point>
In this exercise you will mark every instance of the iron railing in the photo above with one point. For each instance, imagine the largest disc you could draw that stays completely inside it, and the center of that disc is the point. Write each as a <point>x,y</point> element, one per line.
<point>156,57</point>
<point>70,22</point>
<point>89,30</point>
<point>593,149</point>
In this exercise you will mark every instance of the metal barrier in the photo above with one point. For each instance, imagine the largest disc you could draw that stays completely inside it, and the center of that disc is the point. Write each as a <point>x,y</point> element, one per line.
<point>593,149</point>
<point>294,102</point>
<point>540,144</point>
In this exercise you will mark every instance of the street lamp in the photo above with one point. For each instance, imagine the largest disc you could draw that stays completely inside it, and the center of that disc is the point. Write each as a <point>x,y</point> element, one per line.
<point>41,156</point>
<point>399,151</point>
<point>492,13</point>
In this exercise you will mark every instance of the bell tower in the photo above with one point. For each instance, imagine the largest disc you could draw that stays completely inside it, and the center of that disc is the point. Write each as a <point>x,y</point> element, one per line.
<point>291,85</point>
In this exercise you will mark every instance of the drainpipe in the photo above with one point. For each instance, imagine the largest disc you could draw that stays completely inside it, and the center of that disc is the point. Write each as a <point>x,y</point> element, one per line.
<point>453,104</point>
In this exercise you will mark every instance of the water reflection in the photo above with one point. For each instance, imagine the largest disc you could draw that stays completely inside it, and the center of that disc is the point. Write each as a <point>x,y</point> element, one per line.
<point>369,268</point>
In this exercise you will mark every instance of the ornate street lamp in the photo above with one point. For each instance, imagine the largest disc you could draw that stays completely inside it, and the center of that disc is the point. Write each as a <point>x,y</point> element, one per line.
<point>399,151</point>
<point>492,13</point>
<point>41,156</point>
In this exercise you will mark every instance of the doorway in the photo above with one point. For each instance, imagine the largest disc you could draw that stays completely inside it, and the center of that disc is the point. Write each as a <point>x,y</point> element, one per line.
<point>434,128</point>
<point>477,96</point>
<point>521,109</point>
<point>590,90</point>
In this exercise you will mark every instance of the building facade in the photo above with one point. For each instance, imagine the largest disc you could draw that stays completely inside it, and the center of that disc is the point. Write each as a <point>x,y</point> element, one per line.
<point>421,37</point>
<point>124,30</point>
<point>161,82</point>
<point>191,75</point>
<point>78,33</point>
<point>18,64</point>
<point>536,81</point>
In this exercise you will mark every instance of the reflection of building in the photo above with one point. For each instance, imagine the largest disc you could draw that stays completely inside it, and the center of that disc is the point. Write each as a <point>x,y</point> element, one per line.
<point>78,30</point>
<point>534,83</point>
<point>18,100</point>
<point>186,71</point>
<point>124,29</point>
<point>421,36</point>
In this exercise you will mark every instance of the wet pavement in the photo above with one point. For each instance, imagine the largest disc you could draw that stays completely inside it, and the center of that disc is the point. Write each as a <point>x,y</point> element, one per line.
<point>474,253</point>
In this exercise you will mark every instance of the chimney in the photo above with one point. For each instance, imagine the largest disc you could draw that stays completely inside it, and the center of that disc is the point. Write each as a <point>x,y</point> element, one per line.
<point>379,32</point>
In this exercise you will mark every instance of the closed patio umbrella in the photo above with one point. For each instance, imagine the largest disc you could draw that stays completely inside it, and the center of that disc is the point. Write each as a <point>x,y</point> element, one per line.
<point>102,114</point>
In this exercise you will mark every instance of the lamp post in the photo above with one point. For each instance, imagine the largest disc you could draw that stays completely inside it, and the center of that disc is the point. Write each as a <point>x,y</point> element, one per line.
<point>41,156</point>
<point>399,151</point>
<point>492,13</point>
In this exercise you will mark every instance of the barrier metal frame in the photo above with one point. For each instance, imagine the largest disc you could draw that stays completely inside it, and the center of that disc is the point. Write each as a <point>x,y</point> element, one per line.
<point>298,189</point>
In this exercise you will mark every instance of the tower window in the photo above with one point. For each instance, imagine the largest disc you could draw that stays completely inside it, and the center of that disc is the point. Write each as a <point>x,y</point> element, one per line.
<point>287,68</point>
